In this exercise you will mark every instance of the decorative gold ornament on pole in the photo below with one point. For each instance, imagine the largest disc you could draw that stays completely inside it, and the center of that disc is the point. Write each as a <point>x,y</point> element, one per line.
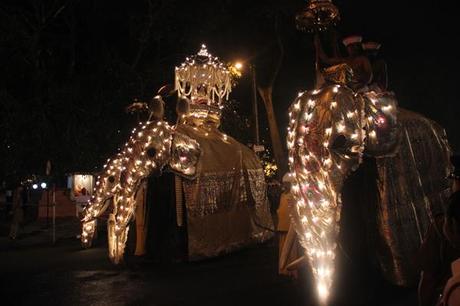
<point>318,16</point>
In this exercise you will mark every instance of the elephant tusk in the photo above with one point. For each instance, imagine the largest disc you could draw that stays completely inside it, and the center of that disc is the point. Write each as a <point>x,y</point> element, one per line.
<point>297,264</point>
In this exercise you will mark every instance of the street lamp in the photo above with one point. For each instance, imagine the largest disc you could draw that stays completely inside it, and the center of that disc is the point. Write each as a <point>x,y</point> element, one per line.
<point>255,108</point>
<point>236,69</point>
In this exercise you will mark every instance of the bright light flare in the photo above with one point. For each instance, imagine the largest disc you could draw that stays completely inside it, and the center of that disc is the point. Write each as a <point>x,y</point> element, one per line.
<point>236,69</point>
<point>323,292</point>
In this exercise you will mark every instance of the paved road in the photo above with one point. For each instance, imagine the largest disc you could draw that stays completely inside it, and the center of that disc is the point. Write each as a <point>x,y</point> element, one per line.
<point>33,272</point>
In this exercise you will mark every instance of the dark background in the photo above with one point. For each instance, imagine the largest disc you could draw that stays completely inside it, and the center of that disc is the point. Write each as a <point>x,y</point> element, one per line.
<point>69,68</point>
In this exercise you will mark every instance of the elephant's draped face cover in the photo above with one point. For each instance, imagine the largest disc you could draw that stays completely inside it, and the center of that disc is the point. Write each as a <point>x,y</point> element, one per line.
<point>147,150</point>
<point>328,131</point>
<point>325,141</point>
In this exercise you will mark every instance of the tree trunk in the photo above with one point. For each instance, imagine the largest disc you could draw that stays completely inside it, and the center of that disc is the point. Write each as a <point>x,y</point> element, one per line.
<point>266,94</point>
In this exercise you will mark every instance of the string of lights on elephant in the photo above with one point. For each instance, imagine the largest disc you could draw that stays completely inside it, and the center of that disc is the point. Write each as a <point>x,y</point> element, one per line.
<point>329,130</point>
<point>147,150</point>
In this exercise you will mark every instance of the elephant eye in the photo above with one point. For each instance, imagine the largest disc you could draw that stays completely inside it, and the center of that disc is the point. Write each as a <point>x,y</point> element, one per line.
<point>111,179</point>
<point>339,143</point>
<point>151,152</point>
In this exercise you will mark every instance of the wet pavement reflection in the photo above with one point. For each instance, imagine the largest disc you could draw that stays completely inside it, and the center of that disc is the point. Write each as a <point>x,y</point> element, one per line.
<point>34,272</point>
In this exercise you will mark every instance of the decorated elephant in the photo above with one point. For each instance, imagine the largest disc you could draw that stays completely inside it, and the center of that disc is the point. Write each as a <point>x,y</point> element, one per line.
<point>330,130</point>
<point>219,181</point>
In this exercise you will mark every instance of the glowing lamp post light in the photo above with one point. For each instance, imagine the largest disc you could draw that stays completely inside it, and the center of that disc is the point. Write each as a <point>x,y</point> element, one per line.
<point>236,69</point>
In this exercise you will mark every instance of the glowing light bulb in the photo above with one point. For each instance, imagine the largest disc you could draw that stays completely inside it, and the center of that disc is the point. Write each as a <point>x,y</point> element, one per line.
<point>340,127</point>
<point>387,108</point>
<point>321,185</point>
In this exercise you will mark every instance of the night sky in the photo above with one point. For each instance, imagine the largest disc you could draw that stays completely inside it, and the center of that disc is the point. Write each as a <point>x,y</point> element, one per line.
<point>69,68</point>
<point>418,39</point>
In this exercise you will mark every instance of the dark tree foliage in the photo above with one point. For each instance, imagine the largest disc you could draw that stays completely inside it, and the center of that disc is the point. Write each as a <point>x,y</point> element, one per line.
<point>69,68</point>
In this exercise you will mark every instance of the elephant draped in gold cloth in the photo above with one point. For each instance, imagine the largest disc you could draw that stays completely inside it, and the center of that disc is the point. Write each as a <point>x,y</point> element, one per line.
<point>220,181</point>
<point>330,130</point>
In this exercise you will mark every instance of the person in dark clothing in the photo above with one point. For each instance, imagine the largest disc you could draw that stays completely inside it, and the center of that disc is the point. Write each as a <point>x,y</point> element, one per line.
<point>356,60</point>
<point>19,200</point>
<point>441,245</point>
<point>379,66</point>
<point>166,242</point>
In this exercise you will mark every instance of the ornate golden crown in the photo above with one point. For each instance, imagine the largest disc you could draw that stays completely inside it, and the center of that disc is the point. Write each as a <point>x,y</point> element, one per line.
<point>204,80</point>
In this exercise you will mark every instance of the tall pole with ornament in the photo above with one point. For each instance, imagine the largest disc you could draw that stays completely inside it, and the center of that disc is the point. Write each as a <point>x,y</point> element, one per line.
<point>318,225</point>
<point>317,16</point>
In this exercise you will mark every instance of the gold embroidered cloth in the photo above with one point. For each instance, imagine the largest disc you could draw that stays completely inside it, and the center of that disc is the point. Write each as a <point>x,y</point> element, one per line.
<point>413,187</point>
<point>226,203</point>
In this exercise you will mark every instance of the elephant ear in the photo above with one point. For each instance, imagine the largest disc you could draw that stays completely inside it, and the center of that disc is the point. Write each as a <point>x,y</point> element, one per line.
<point>185,154</point>
<point>383,129</point>
<point>156,107</point>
